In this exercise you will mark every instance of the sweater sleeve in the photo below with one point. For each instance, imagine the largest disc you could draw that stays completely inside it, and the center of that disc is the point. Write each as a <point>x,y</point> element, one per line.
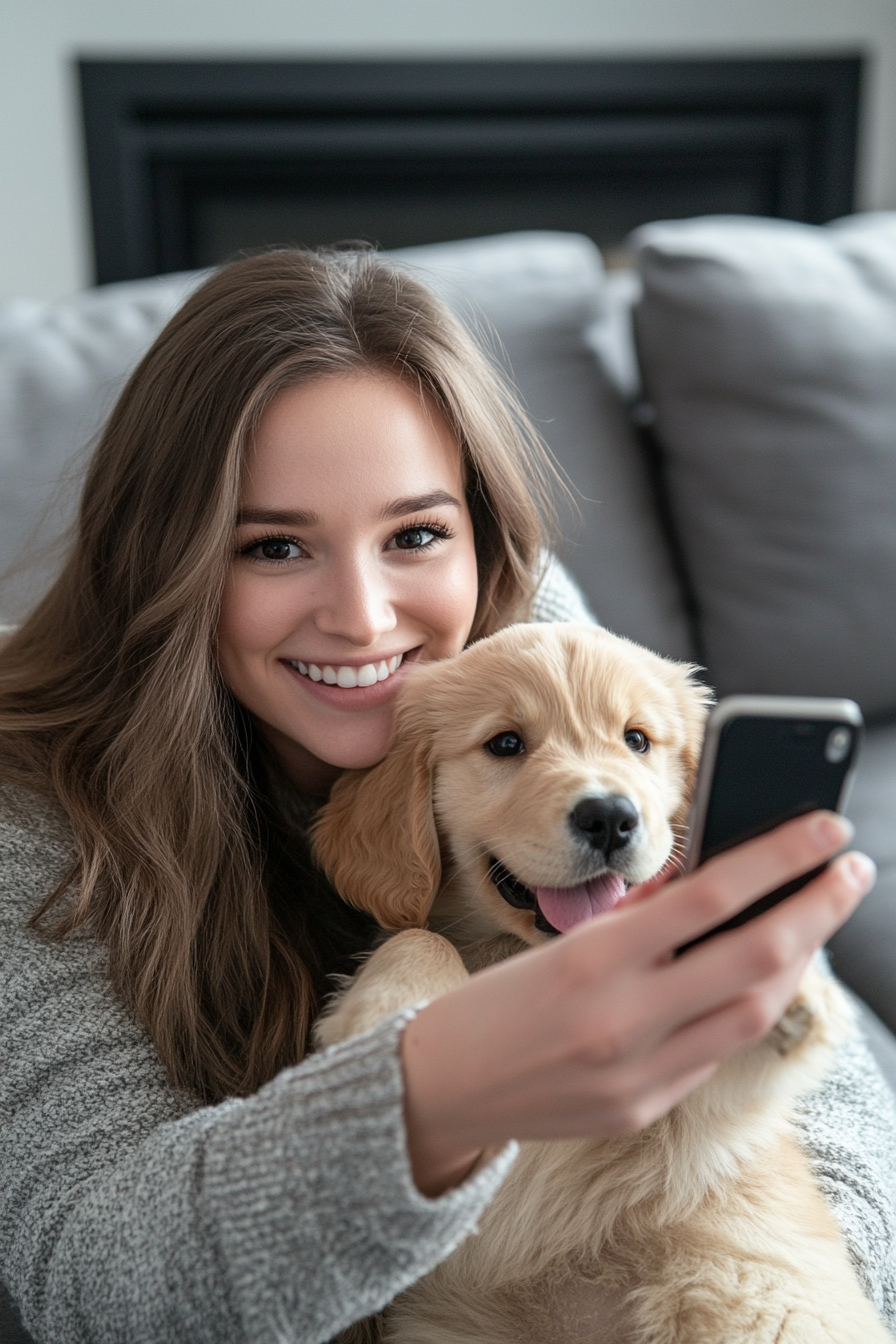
<point>129,1213</point>
<point>559,598</point>
<point>849,1131</point>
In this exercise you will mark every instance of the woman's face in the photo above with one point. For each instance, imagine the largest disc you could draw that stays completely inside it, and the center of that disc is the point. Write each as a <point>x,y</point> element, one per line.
<point>353,558</point>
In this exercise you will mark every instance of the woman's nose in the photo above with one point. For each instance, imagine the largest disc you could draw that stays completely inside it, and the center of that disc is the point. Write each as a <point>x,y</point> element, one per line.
<point>357,604</point>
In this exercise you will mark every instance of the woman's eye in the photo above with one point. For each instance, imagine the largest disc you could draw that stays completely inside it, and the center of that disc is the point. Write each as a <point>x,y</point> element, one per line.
<point>419,538</point>
<point>637,740</point>
<point>506,744</point>
<point>414,538</point>
<point>274,548</point>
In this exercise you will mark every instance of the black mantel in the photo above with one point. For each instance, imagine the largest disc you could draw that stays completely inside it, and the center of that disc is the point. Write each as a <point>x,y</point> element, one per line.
<point>190,161</point>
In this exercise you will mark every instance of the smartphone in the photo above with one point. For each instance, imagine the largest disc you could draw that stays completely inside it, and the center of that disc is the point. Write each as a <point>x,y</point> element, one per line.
<point>767,758</point>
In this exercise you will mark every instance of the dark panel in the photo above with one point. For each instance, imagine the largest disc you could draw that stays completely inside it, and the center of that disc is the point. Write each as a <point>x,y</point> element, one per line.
<point>220,222</point>
<point>190,161</point>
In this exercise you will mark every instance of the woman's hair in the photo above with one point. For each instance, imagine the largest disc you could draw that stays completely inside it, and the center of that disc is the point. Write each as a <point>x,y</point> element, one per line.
<point>219,933</point>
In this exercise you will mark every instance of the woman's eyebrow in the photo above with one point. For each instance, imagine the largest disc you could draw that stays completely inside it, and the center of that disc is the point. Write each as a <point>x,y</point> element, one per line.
<point>277,517</point>
<point>397,508</point>
<point>415,503</point>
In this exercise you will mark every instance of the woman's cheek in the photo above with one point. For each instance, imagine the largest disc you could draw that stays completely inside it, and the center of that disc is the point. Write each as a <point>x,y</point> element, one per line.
<point>255,615</point>
<point>449,602</point>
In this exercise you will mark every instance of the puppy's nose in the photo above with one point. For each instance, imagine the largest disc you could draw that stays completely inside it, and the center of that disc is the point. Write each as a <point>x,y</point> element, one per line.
<point>607,823</point>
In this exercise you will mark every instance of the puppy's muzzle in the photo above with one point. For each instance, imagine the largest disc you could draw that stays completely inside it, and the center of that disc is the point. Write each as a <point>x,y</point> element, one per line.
<point>606,823</point>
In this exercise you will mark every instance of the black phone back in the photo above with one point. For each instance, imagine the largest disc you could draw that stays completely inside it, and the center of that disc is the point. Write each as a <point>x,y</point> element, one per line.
<point>768,759</point>
<point>770,769</point>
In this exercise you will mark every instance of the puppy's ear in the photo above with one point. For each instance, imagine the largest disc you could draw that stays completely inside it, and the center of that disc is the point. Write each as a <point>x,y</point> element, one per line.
<point>695,700</point>
<point>376,838</point>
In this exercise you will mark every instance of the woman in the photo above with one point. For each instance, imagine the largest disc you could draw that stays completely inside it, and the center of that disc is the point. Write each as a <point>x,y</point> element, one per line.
<point>312,480</point>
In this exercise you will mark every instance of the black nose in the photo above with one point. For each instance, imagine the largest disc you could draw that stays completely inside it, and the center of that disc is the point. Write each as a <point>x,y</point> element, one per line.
<point>607,823</point>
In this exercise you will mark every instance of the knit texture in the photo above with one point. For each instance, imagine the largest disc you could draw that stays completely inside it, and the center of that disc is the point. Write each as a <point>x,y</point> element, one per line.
<point>848,1127</point>
<point>559,598</point>
<point>132,1214</point>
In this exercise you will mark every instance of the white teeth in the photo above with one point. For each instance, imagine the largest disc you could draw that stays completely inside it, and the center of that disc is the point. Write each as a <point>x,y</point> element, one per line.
<point>349,677</point>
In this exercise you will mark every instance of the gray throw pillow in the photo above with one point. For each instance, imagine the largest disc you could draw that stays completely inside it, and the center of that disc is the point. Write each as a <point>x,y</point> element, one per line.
<point>768,353</point>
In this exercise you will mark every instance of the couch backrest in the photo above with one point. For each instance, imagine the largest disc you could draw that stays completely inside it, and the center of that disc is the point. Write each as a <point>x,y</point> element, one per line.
<point>533,297</point>
<point>767,352</point>
<point>61,367</point>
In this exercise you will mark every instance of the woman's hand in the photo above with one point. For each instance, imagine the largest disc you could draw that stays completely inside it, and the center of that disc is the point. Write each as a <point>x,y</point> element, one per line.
<point>602,1030</point>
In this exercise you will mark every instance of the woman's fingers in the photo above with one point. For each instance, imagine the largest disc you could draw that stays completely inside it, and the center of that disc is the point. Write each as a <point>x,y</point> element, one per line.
<point>653,1001</point>
<point>643,1086</point>
<point>691,906</point>
<point>725,966</point>
<point>764,952</point>
<point>742,1020</point>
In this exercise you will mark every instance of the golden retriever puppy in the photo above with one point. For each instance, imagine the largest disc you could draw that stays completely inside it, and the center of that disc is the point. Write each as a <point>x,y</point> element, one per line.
<point>532,780</point>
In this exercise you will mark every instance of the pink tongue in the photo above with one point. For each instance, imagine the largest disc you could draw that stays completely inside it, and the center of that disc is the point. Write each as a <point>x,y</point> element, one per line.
<point>565,907</point>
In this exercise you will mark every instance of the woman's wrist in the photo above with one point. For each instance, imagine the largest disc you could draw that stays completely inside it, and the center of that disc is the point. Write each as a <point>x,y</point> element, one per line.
<point>443,1153</point>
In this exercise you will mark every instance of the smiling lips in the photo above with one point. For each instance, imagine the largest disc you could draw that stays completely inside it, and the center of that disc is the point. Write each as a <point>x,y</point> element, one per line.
<point>349,678</point>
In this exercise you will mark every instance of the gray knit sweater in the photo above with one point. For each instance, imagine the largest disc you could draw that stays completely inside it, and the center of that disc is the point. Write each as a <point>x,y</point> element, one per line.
<point>131,1214</point>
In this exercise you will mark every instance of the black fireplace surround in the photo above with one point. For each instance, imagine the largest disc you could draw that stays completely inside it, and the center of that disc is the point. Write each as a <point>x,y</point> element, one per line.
<point>190,162</point>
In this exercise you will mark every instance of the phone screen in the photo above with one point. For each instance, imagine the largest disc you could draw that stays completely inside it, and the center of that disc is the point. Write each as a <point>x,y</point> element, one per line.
<point>765,768</point>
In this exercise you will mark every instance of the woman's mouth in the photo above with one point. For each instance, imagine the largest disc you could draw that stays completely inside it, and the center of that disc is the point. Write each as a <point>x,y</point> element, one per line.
<point>348,677</point>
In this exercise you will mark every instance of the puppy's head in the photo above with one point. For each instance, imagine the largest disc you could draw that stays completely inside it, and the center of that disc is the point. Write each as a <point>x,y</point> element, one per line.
<point>546,768</point>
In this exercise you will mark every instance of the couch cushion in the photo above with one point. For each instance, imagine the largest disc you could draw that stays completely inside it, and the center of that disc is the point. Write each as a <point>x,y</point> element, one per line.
<point>61,367</point>
<point>62,364</point>
<point>768,352</point>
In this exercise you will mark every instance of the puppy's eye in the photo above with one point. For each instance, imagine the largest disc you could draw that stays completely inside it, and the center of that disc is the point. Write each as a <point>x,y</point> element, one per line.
<point>506,744</point>
<point>637,740</point>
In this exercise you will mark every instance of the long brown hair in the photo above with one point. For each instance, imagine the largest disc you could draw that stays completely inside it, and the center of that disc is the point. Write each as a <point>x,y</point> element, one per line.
<point>110,698</point>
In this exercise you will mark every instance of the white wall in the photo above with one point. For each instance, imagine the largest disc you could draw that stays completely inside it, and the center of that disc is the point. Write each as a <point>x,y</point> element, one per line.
<point>44,236</point>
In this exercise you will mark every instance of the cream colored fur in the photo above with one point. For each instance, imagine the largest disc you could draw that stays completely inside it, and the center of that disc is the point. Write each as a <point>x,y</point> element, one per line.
<point>707,1228</point>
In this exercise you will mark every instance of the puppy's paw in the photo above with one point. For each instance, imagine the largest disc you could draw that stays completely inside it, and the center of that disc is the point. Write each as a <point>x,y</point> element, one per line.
<point>819,1015</point>
<point>414,966</point>
<point>794,1026</point>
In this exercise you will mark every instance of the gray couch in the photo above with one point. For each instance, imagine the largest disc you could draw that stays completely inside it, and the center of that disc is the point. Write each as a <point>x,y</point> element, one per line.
<point>726,411</point>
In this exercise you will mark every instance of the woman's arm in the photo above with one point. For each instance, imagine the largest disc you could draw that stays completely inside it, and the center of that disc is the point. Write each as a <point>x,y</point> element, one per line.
<point>601,1031</point>
<point>129,1213</point>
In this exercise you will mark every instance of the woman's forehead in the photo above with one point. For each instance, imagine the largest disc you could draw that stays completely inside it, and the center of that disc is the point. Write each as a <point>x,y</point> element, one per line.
<point>350,436</point>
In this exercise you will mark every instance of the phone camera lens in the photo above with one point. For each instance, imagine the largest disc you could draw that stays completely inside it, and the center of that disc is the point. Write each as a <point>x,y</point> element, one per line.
<point>837,747</point>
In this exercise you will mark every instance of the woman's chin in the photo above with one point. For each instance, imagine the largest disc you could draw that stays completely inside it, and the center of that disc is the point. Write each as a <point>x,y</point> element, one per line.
<point>315,762</point>
<point>356,757</point>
